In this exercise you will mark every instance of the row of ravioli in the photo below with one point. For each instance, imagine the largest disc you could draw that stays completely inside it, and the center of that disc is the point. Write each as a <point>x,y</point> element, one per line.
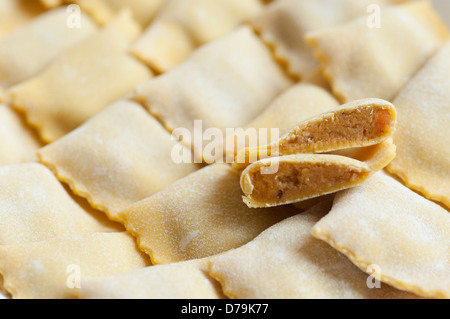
<point>70,254</point>
<point>192,220</point>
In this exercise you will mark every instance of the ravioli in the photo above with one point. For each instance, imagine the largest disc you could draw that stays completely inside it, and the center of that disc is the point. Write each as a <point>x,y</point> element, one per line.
<point>224,84</point>
<point>382,59</point>
<point>47,36</point>
<point>383,223</point>
<point>117,158</point>
<point>423,160</point>
<point>286,262</point>
<point>182,26</point>
<point>284,23</point>
<point>34,206</point>
<point>198,216</point>
<point>360,123</point>
<point>114,131</point>
<point>103,11</point>
<point>294,178</point>
<point>18,144</point>
<point>82,82</point>
<point>56,268</point>
<point>163,46</point>
<point>185,280</point>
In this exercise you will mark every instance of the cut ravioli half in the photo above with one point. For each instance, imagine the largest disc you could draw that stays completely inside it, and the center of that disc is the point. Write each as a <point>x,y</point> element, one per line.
<point>360,123</point>
<point>82,82</point>
<point>56,268</point>
<point>286,262</point>
<point>18,144</point>
<point>182,26</point>
<point>163,46</point>
<point>383,223</point>
<point>295,178</point>
<point>198,216</point>
<point>34,206</point>
<point>185,280</point>
<point>224,84</point>
<point>422,139</point>
<point>284,23</point>
<point>119,157</point>
<point>30,48</point>
<point>385,55</point>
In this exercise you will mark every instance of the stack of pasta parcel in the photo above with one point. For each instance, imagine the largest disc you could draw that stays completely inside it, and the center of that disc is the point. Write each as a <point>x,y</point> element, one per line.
<point>101,196</point>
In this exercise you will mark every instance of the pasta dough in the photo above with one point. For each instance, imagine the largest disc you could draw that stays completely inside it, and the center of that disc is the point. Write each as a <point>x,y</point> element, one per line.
<point>423,160</point>
<point>285,22</point>
<point>382,60</point>
<point>185,280</point>
<point>56,268</point>
<point>82,82</point>
<point>117,158</point>
<point>198,216</point>
<point>294,178</point>
<point>286,262</point>
<point>376,157</point>
<point>225,84</point>
<point>163,46</point>
<point>223,67</point>
<point>15,13</point>
<point>18,144</point>
<point>357,124</point>
<point>27,50</point>
<point>182,26</point>
<point>35,207</point>
<point>103,11</point>
<point>300,102</point>
<point>382,222</point>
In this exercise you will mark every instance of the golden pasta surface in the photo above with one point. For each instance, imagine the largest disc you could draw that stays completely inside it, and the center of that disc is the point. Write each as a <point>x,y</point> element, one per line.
<point>224,149</point>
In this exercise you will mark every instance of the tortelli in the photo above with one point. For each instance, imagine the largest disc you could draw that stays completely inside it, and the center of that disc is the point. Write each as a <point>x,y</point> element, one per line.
<point>358,124</point>
<point>297,168</point>
<point>215,149</point>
